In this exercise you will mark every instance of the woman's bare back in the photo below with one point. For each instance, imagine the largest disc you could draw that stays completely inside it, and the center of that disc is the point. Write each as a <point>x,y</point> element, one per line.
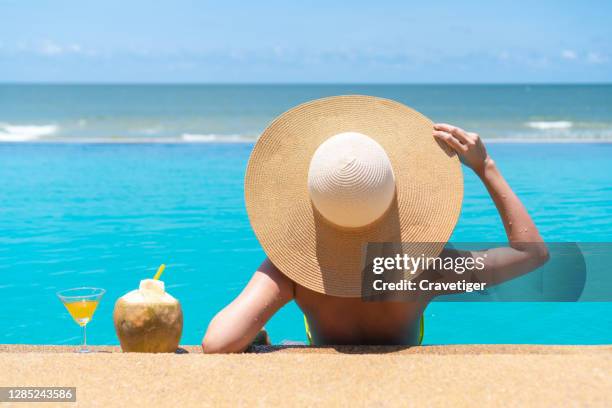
<point>336,320</point>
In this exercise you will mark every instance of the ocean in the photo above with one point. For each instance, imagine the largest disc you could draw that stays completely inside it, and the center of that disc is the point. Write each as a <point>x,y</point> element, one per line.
<point>101,184</point>
<point>237,113</point>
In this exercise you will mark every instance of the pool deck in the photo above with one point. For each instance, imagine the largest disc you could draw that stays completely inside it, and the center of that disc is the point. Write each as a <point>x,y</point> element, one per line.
<point>470,375</point>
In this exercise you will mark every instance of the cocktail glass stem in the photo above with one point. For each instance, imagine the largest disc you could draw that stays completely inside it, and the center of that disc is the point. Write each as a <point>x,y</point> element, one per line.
<point>84,348</point>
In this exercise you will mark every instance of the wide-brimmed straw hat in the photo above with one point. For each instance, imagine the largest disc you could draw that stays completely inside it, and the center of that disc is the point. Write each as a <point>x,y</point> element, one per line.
<point>332,175</point>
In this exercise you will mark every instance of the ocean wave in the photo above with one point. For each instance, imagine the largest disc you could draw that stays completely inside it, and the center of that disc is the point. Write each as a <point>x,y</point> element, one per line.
<point>550,125</point>
<point>34,134</point>
<point>544,140</point>
<point>216,138</point>
<point>24,133</point>
<point>29,134</point>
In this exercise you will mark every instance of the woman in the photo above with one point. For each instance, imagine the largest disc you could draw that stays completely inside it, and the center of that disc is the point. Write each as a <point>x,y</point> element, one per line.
<point>341,320</point>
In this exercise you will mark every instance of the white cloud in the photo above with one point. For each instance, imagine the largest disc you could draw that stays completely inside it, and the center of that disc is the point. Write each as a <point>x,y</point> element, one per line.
<point>569,54</point>
<point>596,58</point>
<point>51,48</point>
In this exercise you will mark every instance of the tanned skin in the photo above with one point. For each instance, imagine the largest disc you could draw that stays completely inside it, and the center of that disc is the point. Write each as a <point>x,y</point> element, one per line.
<point>336,320</point>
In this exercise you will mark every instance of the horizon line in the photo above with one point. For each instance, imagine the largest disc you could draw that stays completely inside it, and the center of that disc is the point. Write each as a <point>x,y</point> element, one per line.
<point>254,83</point>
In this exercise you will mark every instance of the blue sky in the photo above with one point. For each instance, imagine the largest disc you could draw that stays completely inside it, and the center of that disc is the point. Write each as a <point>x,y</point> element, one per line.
<point>305,41</point>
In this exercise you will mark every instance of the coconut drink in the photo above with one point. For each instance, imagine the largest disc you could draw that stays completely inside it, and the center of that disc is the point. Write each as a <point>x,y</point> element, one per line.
<point>148,319</point>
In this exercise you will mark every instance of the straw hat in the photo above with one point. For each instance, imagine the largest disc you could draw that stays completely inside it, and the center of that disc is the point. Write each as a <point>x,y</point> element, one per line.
<point>331,175</point>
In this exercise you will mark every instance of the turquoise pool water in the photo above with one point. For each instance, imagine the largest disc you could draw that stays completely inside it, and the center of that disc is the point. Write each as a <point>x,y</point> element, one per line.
<point>108,214</point>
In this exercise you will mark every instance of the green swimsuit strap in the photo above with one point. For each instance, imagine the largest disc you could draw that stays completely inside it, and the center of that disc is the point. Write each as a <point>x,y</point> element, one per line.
<point>421,330</point>
<point>308,335</point>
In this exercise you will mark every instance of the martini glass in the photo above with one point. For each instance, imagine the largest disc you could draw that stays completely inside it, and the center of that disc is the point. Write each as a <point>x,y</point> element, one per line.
<point>81,303</point>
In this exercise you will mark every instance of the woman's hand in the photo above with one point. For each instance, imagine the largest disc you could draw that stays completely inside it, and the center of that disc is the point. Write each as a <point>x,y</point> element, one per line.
<point>468,146</point>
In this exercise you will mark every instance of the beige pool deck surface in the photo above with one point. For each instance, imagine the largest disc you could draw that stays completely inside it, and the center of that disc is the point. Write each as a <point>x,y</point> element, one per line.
<point>455,376</point>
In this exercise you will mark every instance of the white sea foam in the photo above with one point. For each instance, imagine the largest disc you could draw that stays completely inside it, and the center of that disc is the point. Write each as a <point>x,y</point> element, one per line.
<point>214,138</point>
<point>554,140</point>
<point>550,125</point>
<point>24,133</point>
<point>35,134</point>
<point>38,134</point>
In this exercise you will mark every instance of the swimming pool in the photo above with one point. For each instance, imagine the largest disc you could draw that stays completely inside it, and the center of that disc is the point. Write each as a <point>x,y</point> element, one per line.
<point>108,214</point>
